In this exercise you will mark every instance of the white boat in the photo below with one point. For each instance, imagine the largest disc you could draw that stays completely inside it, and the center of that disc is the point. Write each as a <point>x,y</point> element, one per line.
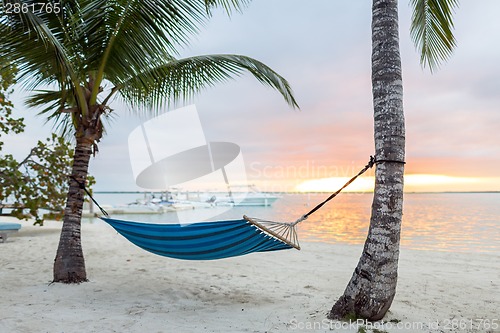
<point>138,207</point>
<point>185,205</point>
<point>174,200</point>
<point>247,195</point>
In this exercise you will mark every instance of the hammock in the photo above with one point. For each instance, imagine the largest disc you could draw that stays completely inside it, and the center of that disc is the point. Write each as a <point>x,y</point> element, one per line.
<point>217,240</point>
<point>208,240</point>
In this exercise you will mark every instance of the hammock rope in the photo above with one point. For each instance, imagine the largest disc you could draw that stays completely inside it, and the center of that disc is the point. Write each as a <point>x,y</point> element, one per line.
<point>287,231</point>
<point>83,187</point>
<point>369,165</point>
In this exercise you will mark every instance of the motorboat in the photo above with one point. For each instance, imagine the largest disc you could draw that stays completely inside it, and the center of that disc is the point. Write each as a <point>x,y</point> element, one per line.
<point>246,195</point>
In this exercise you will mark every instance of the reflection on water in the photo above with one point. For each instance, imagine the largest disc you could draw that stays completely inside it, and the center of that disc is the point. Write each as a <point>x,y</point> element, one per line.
<point>441,221</point>
<point>454,222</point>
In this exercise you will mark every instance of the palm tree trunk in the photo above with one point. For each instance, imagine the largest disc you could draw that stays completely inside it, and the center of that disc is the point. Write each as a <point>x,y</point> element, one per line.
<point>372,288</point>
<point>69,265</point>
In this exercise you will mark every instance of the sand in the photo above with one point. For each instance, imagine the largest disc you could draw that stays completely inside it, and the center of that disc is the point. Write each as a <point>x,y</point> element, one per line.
<point>130,290</point>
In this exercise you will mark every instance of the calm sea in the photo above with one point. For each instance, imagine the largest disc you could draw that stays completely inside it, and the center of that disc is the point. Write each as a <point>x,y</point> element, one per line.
<point>465,222</point>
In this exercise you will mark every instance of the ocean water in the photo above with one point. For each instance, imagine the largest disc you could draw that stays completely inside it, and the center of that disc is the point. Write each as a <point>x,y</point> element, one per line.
<point>461,222</point>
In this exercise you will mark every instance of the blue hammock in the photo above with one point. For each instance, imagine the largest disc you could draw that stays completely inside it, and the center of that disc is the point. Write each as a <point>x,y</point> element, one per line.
<point>208,240</point>
<point>217,240</point>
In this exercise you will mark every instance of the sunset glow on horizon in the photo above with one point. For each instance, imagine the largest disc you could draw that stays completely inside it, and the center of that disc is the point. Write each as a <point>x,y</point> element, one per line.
<point>413,183</point>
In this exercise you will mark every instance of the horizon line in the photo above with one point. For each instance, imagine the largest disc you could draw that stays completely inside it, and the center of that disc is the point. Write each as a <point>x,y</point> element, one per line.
<point>298,192</point>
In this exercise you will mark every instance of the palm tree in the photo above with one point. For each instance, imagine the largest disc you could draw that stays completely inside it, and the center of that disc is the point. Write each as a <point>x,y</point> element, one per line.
<point>90,51</point>
<point>372,288</point>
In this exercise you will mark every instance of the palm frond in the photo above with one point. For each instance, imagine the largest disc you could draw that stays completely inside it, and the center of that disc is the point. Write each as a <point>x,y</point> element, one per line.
<point>54,105</point>
<point>178,80</point>
<point>228,5</point>
<point>431,30</point>
<point>41,48</point>
<point>128,43</point>
<point>135,32</point>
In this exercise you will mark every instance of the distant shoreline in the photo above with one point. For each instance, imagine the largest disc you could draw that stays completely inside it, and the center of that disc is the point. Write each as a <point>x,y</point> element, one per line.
<point>444,192</point>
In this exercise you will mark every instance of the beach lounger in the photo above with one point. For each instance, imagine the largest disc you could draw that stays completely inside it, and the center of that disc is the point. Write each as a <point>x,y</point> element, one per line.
<point>7,228</point>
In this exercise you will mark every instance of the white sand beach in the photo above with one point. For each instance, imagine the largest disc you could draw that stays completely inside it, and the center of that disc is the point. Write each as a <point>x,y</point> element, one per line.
<point>130,290</point>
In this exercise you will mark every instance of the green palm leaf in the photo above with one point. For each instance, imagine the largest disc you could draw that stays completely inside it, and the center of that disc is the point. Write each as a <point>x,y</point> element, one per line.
<point>181,79</point>
<point>137,32</point>
<point>128,44</point>
<point>57,107</point>
<point>431,30</point>
<point>228,5</point>
<point>41,47</point>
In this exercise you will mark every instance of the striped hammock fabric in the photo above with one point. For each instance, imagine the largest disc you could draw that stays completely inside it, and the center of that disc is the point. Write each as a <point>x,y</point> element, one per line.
<point>204,240</point>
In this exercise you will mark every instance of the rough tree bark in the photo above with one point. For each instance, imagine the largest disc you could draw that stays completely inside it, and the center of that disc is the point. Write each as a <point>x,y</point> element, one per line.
<point>372,288</point>
<point>69,264</point>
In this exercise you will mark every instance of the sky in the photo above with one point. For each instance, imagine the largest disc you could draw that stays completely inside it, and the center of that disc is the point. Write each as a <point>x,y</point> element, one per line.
<point>323,48</point>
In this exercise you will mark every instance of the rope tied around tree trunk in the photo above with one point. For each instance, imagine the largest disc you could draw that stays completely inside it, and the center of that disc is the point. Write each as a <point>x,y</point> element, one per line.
<point>83,187</point>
